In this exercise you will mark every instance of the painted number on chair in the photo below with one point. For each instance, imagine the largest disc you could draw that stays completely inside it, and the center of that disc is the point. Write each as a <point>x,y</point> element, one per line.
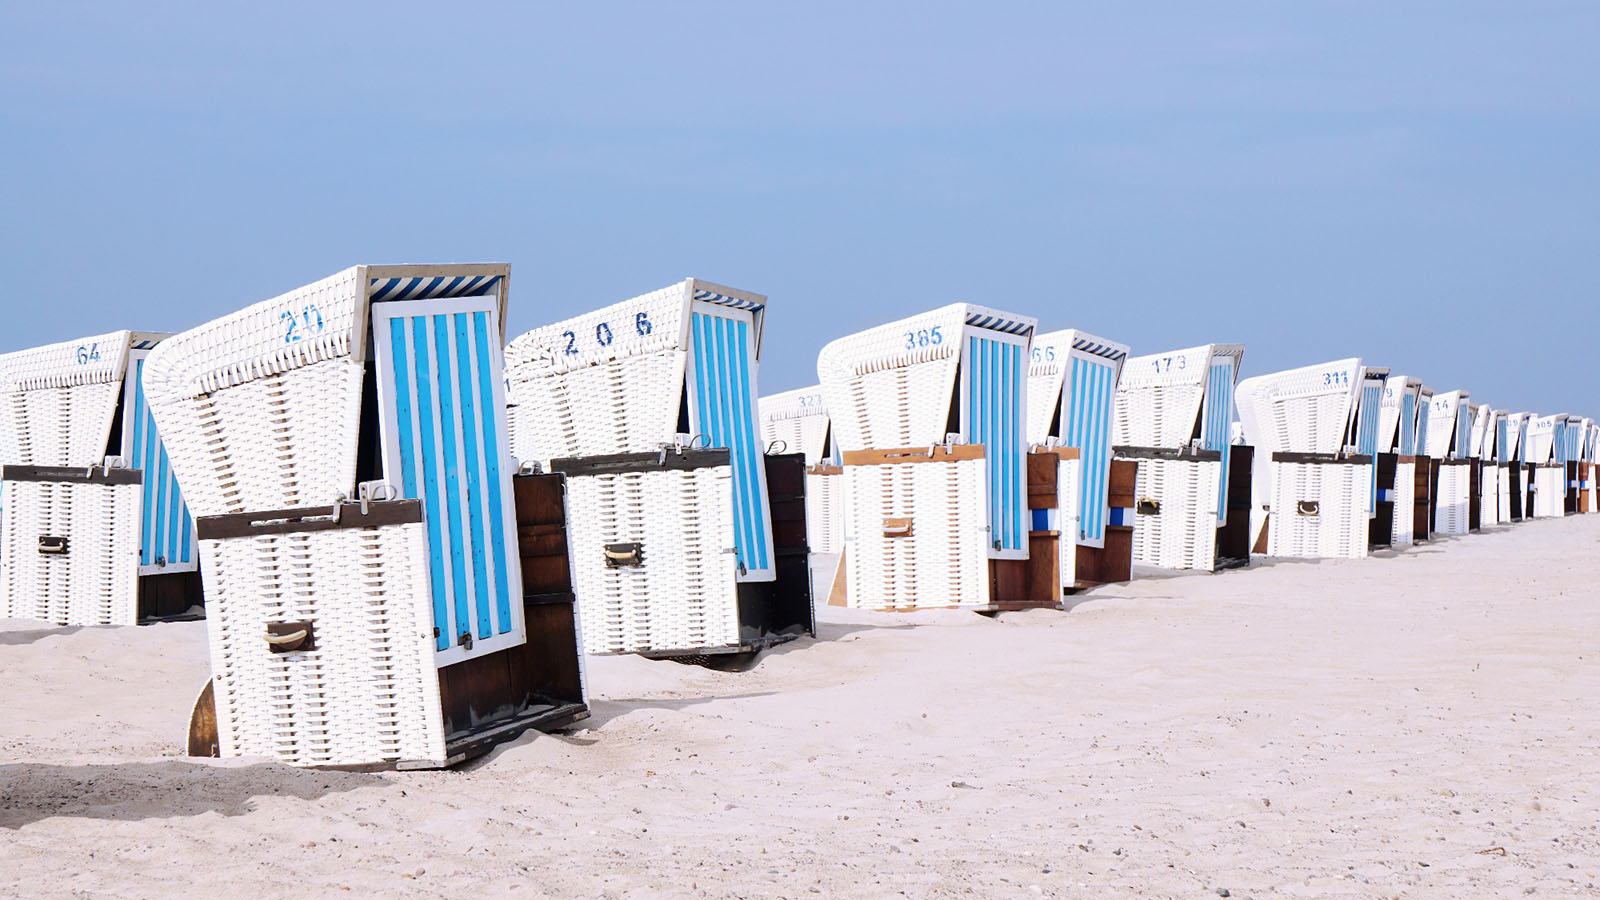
<point>1168,363</point>
<point>924,337</point>
<point>1044,354</point>
<point>1332,379</point>
<point>88,354</point>
<point>302,325</point>
<point>604,336</point>
<point>810,401</point>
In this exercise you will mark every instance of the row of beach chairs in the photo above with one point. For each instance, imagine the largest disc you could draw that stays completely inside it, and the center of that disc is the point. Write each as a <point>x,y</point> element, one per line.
<point>406,532</point>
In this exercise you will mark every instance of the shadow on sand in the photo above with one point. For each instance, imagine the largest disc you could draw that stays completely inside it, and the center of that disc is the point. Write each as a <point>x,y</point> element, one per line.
<point>30,792</point>
<point>17,638</point>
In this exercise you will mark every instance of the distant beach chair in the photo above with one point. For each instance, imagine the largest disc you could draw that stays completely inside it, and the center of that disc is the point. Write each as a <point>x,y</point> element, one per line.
<point>384,588</point>
<point>1311,423</point>
<point>1485,432</point>
<point>930,416</point>
<point>1449,434</point>
<point>1546,466</point>
<point>1589,477</point>
<point>94,529</point>
<point>688,540</point>
<point>1174,414</point>
<point>1073,378</point>
<point>797,421</point>
<point>1401,493</point>
<point>1511,452</point>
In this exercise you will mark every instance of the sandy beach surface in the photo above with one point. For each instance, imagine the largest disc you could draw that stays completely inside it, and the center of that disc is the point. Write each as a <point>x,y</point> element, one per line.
<point>1420,724</point>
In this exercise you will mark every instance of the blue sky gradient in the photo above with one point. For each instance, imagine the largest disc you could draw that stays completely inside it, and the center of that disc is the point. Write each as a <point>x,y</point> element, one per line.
<point>1415,183</point>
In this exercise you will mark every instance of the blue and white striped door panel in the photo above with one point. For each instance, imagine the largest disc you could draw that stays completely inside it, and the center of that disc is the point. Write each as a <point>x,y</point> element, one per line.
<point>1216,430</point>
<point>722,406</point>
<point>1367,431</point>
<point>1408,418</point>
<point>1423,406</point>
<point>166,541</point>
<point>441,386</point>
<point>993,388</point>
<point>1089,394</point>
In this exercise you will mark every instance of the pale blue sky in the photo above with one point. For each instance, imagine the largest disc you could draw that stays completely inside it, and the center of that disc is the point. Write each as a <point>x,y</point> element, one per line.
<point>1415,184</point>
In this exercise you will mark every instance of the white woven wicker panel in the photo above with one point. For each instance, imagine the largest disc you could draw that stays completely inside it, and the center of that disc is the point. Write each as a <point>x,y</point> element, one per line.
<point>944,563</point>
<point>1503,492</point>
<point>58,402</point>
<point>1452,505</point>
<point>797,418</point>
<point>1159,397</point>
<point>1516,430</point>
<point>304,326</point>
<point>1402,530</point>
<point>1183,535</point>
<point>1069,489</point>
<point>825,499</point>
<point>1442,423</point>
<point>685,597</point>
<point>368,694</point>
<point>1540,439</point>
<point>1338,529</point>
<point>608,381</point>
<point>280,440</point>
<point>892,386</point>
<point>1305,410</point>
<point>1549,492</point>
<point>97,581</point>
<point>1489,496</point>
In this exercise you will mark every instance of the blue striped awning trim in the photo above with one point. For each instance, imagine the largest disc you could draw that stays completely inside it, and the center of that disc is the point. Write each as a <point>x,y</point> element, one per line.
<point>725,300</point>
<point>426,288</point>
<point>996,323</point>
<point>144,345</point>
<point>1099,349</point>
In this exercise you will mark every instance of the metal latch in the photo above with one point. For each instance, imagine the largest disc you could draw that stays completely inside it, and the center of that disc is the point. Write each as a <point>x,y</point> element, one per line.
<point>1307,507</point>
<point>625,555</point>
<point>464,640</point>
<point>1147,507</point>
<point>287,637</point>
<point>52,543</point>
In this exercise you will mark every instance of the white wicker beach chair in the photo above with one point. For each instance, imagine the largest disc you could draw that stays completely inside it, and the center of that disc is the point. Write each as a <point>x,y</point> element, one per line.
<point>1073,379</point>
<point>1449,437</point>
<point>797,421</point>
<point>686,544</point>
<point>1397,438</point>
<point>1546,465</point>
<point>374,565</point>
<point>1513,468</point>
<point>1322,495</point>
<point>1174,414</point>
<point>94,530</point>
<point>929,414</point>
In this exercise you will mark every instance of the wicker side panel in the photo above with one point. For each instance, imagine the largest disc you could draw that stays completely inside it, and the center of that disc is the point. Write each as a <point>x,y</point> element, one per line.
<point>1503,492</point>
<point>368,693</point>
<point>825,498</point>
<point>943,562</point>
<point>683,597</point>
<point>1337,528</point>
<point>624,405</point>
<point>1489,492</point>
<point>96,582</point>
<point>1069,492</point>
<point>273,442</point>
<point>1405,499</point>
<point>1182,534</point>
<point>1455,496</point>
<point>59,426</point>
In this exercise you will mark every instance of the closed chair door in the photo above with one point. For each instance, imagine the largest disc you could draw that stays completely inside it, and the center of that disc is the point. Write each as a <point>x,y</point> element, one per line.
<point>441,390</point>
<point>166,540</point>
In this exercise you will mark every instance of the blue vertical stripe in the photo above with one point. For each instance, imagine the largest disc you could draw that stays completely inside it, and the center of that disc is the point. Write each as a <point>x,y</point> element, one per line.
<point>429,489</point>
<point>492,476</point>
<point>1218,418</point>
<point>448,430</point>
<point>476,538</point>
<point>138,456</point>
<point>747,446</point>
<point>1408,416</point>
<point>1422,427</point>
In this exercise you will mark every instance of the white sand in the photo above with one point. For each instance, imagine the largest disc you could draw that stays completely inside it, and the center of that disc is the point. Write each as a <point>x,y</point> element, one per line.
<point>1337,729</point>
